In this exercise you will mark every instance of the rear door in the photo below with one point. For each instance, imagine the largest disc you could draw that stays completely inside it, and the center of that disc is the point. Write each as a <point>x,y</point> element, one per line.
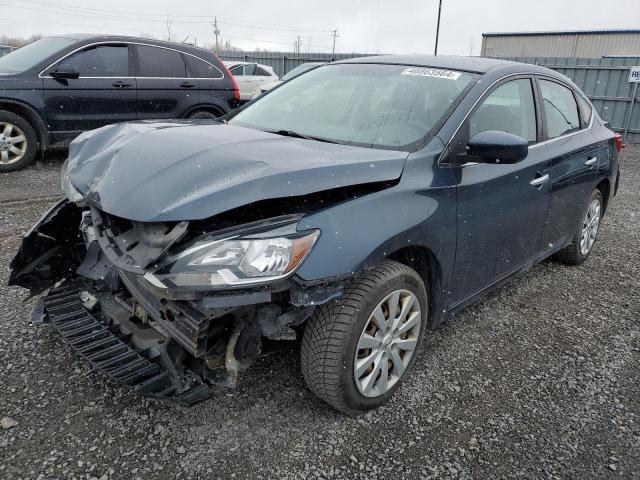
<point>574,159</point>
<point>502,208</point>
<point>164,89</point>
<point>104,93</point>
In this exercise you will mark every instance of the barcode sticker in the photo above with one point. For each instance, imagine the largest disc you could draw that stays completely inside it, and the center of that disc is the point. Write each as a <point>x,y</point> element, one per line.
<point>431,72</point>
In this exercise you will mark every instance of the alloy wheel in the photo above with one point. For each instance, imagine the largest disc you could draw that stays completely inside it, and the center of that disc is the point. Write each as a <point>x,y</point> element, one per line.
<point>387,343</point>
<point>13,143</point>
<point>590,226</point>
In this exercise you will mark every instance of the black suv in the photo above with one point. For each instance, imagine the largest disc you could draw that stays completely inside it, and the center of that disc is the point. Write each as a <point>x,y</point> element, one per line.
<point>57,87</point>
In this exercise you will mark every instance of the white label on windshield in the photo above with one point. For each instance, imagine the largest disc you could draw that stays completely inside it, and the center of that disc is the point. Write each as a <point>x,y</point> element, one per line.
<point>431,72</point>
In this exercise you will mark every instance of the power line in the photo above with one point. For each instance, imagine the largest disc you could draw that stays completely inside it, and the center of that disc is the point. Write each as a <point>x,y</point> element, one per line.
<point>154,17</point>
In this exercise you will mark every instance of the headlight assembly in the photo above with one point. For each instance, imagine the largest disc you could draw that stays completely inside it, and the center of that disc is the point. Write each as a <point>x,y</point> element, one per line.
<point>71,193</point>
<point>251,259</point>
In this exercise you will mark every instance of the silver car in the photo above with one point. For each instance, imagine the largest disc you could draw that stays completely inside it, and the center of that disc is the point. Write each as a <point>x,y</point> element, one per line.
<point>250,77</point>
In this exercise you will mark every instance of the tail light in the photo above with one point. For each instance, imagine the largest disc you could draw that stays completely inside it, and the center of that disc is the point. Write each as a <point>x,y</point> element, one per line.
<point>236,90</point>
<point>619,144</point>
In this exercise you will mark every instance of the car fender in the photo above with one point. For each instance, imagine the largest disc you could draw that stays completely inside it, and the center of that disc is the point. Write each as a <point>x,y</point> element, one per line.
<point>32,116</point>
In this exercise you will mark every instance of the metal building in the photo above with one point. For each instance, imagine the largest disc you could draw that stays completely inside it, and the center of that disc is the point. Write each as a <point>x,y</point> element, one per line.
<point>592,44</point>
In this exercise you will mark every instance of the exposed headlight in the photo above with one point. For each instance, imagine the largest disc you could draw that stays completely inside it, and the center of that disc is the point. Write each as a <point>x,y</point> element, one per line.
<point>235,261</point>
<point>71,193</point>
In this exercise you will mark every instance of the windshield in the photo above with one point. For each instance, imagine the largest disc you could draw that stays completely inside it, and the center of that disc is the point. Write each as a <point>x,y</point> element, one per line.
<point>31,55</point>
<point>374,105</point>
<point>300,69</point>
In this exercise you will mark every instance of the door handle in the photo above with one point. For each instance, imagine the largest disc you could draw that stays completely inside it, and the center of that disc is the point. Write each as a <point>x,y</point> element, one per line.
<point>591,161</point>
<point>536,182</point>
<point>121,84</point>
<point>187,85</point>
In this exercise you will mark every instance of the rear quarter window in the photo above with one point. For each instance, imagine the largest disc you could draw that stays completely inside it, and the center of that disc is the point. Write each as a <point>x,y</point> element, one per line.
<point>199,68</point>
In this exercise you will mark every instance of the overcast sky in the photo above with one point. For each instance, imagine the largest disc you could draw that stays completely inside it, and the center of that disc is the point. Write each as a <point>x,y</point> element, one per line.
<point>367,26</point>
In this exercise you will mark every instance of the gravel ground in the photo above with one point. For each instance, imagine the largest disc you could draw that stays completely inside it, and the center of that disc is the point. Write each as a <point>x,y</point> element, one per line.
<point>540,380</point>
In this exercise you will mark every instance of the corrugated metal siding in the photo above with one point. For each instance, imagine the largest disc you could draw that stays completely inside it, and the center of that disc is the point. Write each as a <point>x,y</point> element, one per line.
<point>564,45</point>
<point>282,62</point>
<point>606,82</point>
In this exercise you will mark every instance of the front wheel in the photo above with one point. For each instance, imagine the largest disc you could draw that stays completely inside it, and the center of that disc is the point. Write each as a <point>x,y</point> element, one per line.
<point>357,350</point>
<point>585,236</point>
<point>18,142</point>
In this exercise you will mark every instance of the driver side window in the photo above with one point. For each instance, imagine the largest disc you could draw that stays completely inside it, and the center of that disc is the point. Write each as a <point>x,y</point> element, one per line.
<point>509,108</point>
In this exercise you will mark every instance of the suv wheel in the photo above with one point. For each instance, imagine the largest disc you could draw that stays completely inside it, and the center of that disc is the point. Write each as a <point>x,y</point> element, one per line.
<point>203,114</point>
<point>357,350</point>
<point>18,142</point>
<point>585,236</point>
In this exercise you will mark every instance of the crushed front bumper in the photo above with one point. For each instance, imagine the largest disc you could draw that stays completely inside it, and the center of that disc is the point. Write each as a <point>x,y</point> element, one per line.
<point>109,349</point>
<point>160,346</point>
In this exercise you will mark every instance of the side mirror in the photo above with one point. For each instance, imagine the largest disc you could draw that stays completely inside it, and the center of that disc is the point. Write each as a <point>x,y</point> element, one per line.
<point>498,147</point>
<point>64,72</point>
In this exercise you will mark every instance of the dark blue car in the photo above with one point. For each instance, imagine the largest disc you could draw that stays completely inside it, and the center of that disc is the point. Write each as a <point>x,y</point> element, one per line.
<point>356,205</point>
<point>57,87</point>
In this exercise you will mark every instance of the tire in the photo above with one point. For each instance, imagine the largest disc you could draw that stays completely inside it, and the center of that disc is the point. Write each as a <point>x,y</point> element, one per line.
<point>575,253</point>
<point>203,115</point>
<point>332,335</point>
<point>13,127</point>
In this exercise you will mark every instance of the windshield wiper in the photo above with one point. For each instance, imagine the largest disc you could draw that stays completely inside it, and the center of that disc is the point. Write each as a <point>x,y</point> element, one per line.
<point>291,133</point>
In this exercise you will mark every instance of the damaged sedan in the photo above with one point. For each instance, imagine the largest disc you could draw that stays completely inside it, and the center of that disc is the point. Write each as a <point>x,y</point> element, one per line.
<point>354,207</point>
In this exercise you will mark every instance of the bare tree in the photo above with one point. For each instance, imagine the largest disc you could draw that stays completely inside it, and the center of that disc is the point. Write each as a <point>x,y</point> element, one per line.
<point>169,35</point>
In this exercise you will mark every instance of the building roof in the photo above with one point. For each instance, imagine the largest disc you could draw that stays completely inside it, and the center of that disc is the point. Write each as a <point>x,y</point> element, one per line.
<point>561,32</point>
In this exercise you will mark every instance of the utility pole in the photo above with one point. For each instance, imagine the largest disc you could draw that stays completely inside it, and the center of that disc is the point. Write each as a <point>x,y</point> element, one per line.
<point>438,28</point>
<point>216,32</point>
<point>333,52</point>
<point>298,44</point>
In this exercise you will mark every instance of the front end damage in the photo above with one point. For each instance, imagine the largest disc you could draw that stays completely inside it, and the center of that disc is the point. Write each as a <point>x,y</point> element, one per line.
<point>112,292</point>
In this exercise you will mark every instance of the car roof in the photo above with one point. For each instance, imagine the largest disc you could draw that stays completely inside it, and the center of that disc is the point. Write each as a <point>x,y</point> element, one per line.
<point>230,63</point>
<point>453,62</point>
<point>85,37</point>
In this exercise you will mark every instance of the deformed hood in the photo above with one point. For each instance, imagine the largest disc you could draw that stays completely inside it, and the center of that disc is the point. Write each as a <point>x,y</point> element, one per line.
<point>181,170</point>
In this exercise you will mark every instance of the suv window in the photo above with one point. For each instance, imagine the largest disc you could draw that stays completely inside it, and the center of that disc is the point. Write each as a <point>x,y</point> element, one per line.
<point>99,61</point>
<point>585,110</point>
<point>509,108</point>
<point>262,72</point>
<point>160,62</point>
<point>560,109</point>
<point>201,69</point>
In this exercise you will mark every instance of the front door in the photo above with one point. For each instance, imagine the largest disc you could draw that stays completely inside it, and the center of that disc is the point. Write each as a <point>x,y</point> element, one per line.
<point>104,92</point>
<point>502,208</point>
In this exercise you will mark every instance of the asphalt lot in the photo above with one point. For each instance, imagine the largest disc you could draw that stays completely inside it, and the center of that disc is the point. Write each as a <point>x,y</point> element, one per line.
<point>540,380</point>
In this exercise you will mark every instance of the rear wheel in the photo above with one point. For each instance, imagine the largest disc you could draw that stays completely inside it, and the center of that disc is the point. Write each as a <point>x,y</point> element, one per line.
<point>18,142</point>
<point>203,115</point>
<point>585,236</point>
<point>357,350</point>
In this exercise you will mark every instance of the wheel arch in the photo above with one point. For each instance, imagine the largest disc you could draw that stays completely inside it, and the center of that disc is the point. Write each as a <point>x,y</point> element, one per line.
<point>424,261</point>
<point>208,107</point>
<point>605,189</point>
<point>31,115</point>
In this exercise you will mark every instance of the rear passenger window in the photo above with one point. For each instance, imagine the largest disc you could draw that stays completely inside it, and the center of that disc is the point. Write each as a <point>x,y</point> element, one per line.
<point>509,108</point>
<point>200,69</point>
<point>160,62</point>
<point>100,61</point>
<point>238,71</point>
<point>585,110</point>
<point>560,109</point>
